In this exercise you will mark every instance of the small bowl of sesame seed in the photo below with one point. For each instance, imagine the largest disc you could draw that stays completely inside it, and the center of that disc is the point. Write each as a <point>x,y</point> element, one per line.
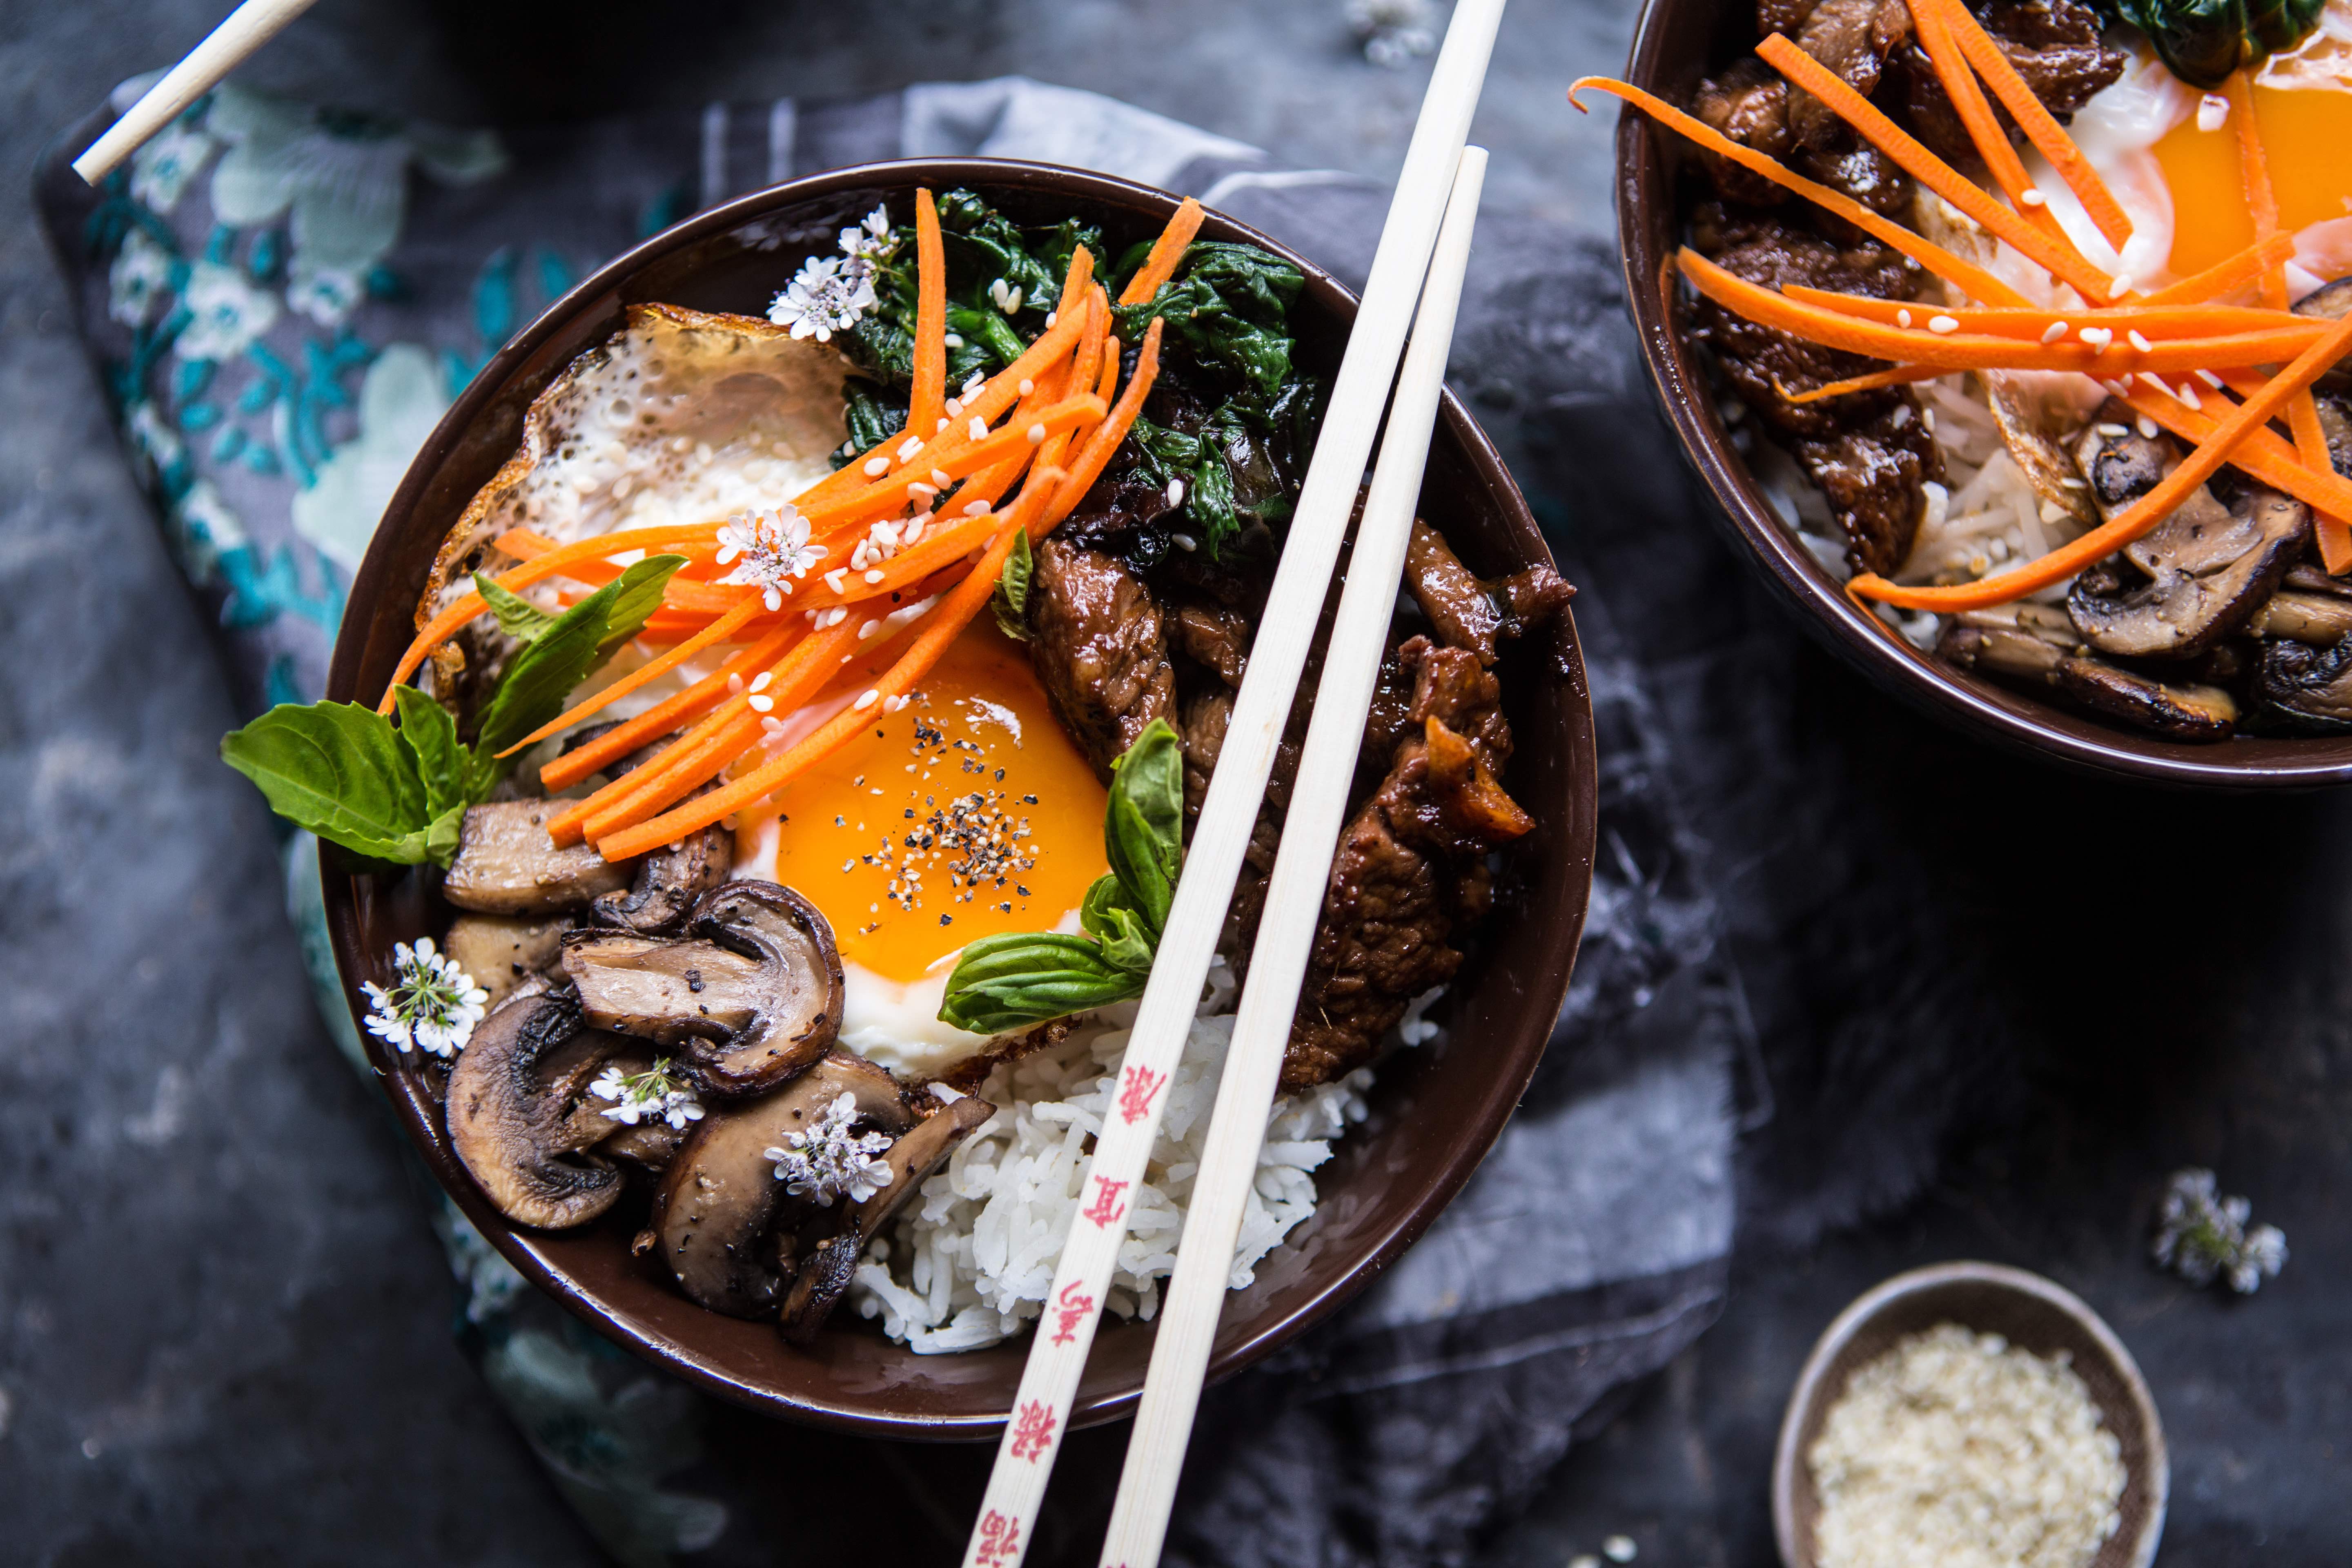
<point>1970,1413</point>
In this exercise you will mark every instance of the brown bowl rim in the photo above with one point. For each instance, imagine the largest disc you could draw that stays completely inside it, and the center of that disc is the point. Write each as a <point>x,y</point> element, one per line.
<point>1977,707</point>
<point>365,648</point>
<point>1790,1473</point>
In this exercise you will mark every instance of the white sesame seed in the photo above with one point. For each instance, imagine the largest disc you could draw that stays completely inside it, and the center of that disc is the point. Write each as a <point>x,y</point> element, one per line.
<point>1027,386</point>
<point>834,578</point>
<point>2120,287</point>
<point>2072,483</point>
<point>2213,112</point>
<point>973,508</point>
<point>2118,387</point>
<point>2111,430</point>
<point>1175,492</point>
<point>2210,379</point>
<point>979,429</point>
<point>1902,415</point>
<point>835,616</point>
<point>2052,512</point>
<point>762,704</point>
<point>1052,317</point>
<point>940,429</point>
<point>877,466</point>
<point>2053,332</point>
<point>735,685</point>
<point>922,491</point>
<point>954,407</point>
<point>1943,324</point>
<point>866,700</point>
<point>2139,341</point>
<point>954,341</point>
<point>1902,317</point>
<point>909,447</point>
<point>762,681</point>
<point>1928,420</point>
<point>2148,428</point>
<point>1184,542</point>
<point>874,576</point>
<point>2098,337</point>
<point>1037,434</point>
<point>2032,198</point>
<point>2154,381</point>
<point>868,629</point>
<point>772,726</point>
<point>2188,394</point>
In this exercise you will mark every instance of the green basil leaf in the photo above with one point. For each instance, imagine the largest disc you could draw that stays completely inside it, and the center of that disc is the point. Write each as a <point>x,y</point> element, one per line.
<point>539,681</point>
<point>429,735</point>
<point>518,617</point>
<point>338,770</point>
<point>1011,600</point>
<point>1143,827</point>
<point>1108,916</point>
<point>1014,980</point>
<point>440,836</point>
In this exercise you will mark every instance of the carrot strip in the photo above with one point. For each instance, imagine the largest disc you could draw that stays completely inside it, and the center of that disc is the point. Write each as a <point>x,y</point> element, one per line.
<point>1106,437</point>
<point>667,714</point>
<point>925,402</point>
<point>957,455</point>
<point>446,625</point>
<point>1166,253</point>
<point>2170,320</point>
<point>2060,261</point>
<point>1897,375</point>
<point>2262,454</point>
<point>2311,446</point>
<point>945,623</point>
<point>2224,277</point>
<point>1965,275</point>
<point>1052,385</point>
<point>1974,351</point>
<point>2254,168</point>
<point>1930,19</point>
<point>2040,128</point>
<point>716,631</point>
<point>2151,509</point>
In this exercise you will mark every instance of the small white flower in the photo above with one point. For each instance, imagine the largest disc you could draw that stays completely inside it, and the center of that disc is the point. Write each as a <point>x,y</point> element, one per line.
<point>826,1159</point>
<point>2202,1235</point>
<point>654,1095</point>
<point>772,546</point>
<point>871,241</point>
<point>432,1005</point>
<point>226,313</point>
<point>141,275</point>
<point>826,296</point>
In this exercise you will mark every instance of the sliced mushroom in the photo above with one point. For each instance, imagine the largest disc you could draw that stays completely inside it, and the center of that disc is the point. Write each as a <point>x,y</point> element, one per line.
<point>506,865</point>
<point>2033,418</point>
<point>510,1109</point>
<point>670,881</point>
<point>2207,570</point>
<point>749,997</point>
<point>2332,303</point>
<point>721,1198</point>
<point>826,1273</point>
<point>2311,687</point>
<point>2181,712</point>
<point>501,950</point>
<point>2321,619</point>
<point>2120,464</point>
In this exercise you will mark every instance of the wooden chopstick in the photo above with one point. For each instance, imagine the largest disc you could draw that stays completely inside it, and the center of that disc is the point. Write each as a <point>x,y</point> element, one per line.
<point>1057,1353</point>
<point>248,27</point>
<point>1294,906</point>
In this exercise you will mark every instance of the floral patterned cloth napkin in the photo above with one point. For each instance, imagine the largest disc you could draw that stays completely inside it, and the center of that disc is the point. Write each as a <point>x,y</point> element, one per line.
<point>282,299</point>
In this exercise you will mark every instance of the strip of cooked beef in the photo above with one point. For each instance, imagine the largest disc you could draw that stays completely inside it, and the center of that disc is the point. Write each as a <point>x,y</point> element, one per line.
<point>1468,610</point>
<point>1853,37</point>
<point>1869,451</point>
<point>2055,45</point>
<point>1752,106</point>
<point>1097,641</point>
<point>1411,869</point>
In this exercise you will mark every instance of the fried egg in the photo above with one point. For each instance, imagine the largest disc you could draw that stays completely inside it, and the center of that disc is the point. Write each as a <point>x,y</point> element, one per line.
<point>968,812</point>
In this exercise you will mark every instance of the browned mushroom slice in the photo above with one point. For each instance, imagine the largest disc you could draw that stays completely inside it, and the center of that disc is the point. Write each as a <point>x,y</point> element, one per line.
<point>669,880</point>
<point>2181,712</point>
<point>501,950</point>
<point>506,865</point>
<point>2332,303</point>
<point>825,1275</point>
<point>2321,619</point>
<point>2206,571</point>
<point>749,996</point>
<point>722,1197</point>
<point>2310,686</point>
<point>509,1112</point>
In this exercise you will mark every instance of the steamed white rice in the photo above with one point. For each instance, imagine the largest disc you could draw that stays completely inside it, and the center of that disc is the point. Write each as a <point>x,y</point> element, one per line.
<point>971,1261</point>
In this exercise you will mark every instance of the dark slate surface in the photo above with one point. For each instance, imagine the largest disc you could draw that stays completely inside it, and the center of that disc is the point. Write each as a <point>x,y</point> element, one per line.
<point>224,1324</point>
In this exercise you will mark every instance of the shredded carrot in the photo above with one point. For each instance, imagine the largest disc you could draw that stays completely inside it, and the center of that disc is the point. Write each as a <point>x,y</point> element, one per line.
<point>1097,452</point>
<point>1166,253</point>
<point>716,631</point>
<point>2151,509</point>
<point>2262,454</point>
<point>2224,277</point>
<point>1110,368</point>
<point>2030,325</point>
<point>2254,168</point>
<point>2311,446</point>
<point>1976,350</point>
<point>446,625</point>
<point>2059,259</point>
<point>957,459</point>
<point>924,404</point>
<point>667,715</point>
<point>946,622</point>
<point>1965,275</point>
<point>1933,27</point>
<point>2040,128</point>
<point>1895,375</point>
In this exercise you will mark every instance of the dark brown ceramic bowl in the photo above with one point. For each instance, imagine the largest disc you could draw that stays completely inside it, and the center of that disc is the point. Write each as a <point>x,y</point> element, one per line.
<point>1677,43</point>
<point>2030,1311</point>
<point>1434,1111</point>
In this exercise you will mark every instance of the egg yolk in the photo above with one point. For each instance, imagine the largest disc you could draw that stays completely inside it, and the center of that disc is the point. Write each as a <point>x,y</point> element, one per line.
<point>2305,136</point>
<point>967,813</point>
